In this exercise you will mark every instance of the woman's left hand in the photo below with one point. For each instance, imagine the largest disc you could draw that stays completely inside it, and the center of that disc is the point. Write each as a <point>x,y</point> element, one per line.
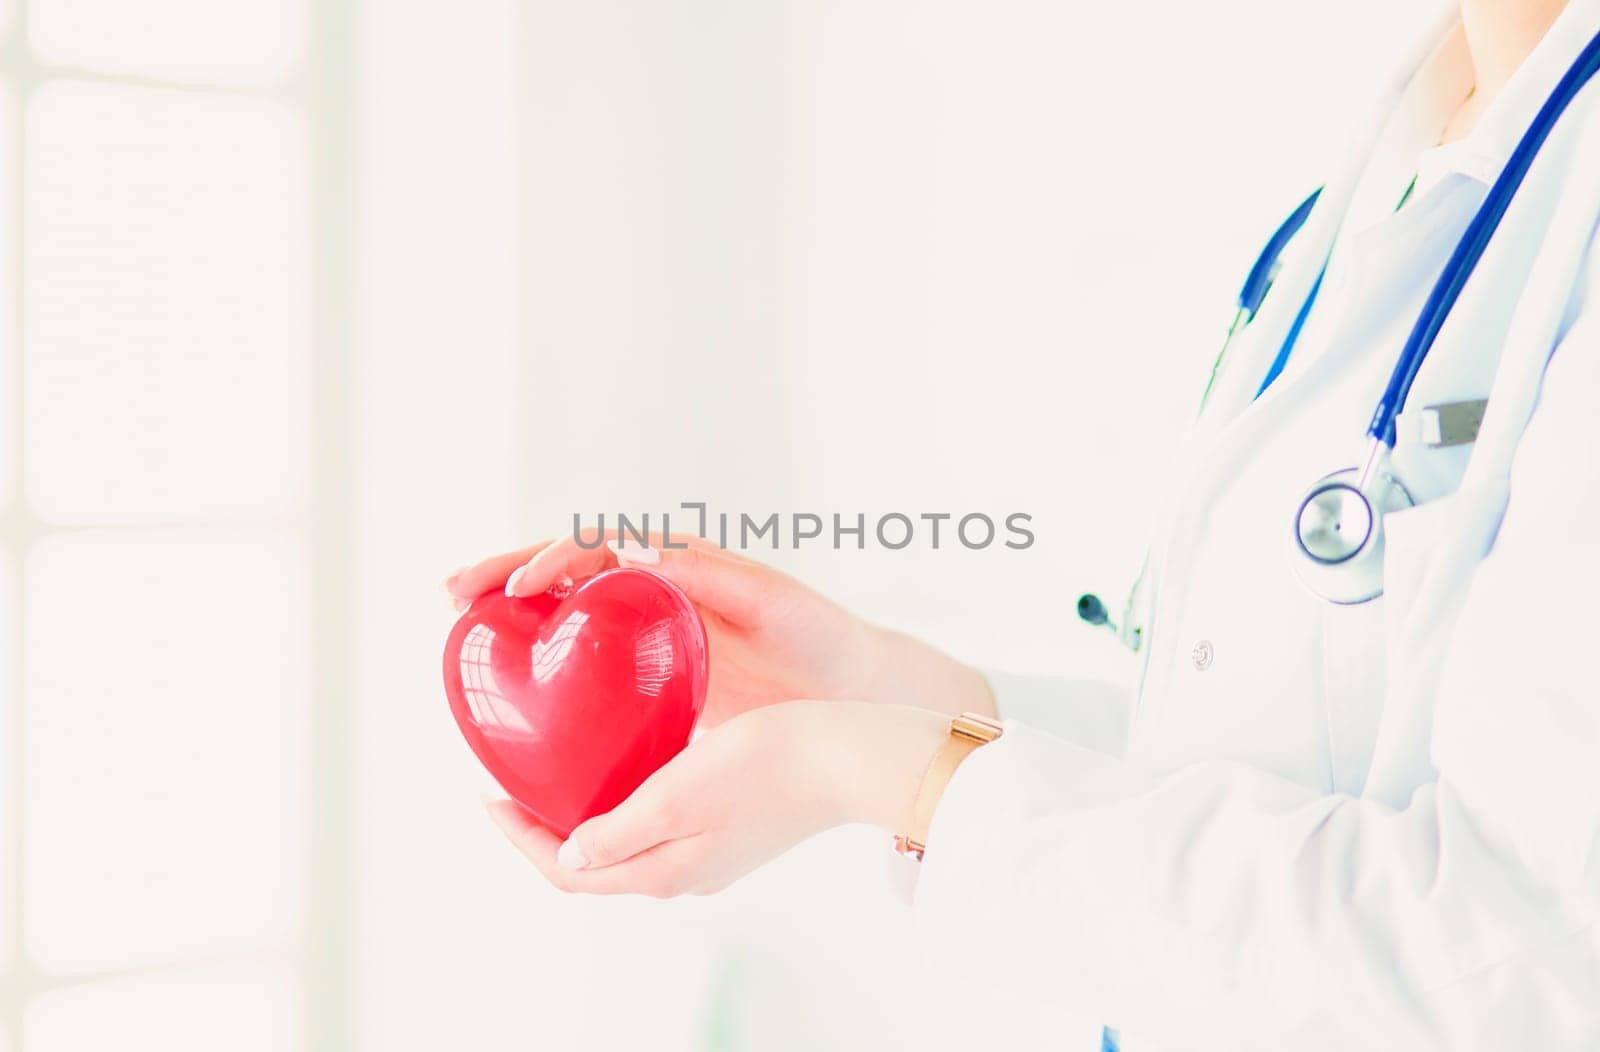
<point>740,795</point>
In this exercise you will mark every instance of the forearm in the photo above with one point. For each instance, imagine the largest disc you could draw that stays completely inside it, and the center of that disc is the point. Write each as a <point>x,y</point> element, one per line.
<point>908,671</point>
<point>1241,896</point>
<point>880,754</point>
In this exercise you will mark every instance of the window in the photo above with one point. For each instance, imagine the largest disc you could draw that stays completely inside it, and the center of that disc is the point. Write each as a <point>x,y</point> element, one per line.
<point>170,524</point>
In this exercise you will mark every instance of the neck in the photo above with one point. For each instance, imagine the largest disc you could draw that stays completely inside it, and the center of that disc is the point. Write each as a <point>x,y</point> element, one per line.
<point>1500,34</point>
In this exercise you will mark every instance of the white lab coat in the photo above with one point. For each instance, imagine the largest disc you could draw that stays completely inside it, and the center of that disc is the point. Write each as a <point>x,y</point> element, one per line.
<point>1353,827</point>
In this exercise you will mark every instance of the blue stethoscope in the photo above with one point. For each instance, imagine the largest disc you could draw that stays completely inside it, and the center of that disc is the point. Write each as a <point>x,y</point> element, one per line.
<point>1338,525</point>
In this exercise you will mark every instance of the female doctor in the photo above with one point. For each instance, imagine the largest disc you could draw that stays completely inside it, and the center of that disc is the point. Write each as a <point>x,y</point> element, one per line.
<point>1355,802</point>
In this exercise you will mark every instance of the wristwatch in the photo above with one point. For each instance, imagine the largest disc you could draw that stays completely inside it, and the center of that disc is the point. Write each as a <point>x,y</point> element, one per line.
<point>967,732</point>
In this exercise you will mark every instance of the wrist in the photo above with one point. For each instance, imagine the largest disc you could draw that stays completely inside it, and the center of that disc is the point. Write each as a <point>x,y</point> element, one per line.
<point>904,670</point>
<point>889,751</point>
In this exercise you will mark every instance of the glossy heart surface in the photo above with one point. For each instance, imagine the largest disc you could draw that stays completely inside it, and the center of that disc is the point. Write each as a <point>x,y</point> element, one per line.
<point>571,702</point>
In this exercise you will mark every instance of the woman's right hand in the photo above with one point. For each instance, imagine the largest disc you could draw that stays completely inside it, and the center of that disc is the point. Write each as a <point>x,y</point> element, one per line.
<point>772,638</point>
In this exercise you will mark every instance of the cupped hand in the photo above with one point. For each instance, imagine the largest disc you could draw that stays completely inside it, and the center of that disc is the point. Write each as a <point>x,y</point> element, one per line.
<point>739,796</point>
<point>771,637</point>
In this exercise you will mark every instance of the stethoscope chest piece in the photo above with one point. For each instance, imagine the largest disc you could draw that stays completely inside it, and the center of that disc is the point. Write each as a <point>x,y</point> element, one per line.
<point>1338,533</point>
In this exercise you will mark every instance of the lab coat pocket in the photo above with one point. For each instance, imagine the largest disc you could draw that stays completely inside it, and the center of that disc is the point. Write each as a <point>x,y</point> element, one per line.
<point>1430,554</point>
<point>1422,544</point>
<point>1410,536</point>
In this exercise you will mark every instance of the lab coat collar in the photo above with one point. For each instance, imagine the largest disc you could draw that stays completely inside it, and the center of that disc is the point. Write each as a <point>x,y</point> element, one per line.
<point>1437,87</point>
<point>1406,119</point>
<point>1483,152</point>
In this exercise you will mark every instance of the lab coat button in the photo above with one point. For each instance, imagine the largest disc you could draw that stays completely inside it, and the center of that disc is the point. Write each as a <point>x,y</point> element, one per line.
<point>1202,655</point>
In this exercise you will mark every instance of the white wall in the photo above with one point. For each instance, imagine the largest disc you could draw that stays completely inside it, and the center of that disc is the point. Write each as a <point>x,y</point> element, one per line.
<point>903,255</point>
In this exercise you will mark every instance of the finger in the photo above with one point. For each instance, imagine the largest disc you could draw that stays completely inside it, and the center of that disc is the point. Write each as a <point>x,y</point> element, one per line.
<point>581,555</point>
<point>734,588</point>
<point>469,582</point>
<point>661,872</point>
<point>564,558</point>
<point>528,836</point>
<point>665,871</point>
<point>644,820</point>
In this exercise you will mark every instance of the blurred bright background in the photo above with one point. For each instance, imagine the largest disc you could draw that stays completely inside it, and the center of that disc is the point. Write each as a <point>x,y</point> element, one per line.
<point>304,305</point>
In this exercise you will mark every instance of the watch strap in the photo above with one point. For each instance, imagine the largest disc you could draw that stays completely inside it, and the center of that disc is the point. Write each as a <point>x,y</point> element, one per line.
<point>968,731</point>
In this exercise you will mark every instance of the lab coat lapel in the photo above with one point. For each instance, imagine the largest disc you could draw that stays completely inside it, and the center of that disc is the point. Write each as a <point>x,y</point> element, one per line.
<point>1394,108</point>
<point>1233,422</point>
<point>1459,530</point>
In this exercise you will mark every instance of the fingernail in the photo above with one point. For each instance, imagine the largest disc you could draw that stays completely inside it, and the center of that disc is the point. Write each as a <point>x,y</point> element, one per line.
<point>453,574</point>
<point>636,553</point>
<point>571,856</point>
<point>491,807</point>
<point>511,582</point>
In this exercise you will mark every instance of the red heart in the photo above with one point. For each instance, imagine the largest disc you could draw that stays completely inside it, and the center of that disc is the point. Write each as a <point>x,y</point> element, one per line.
<point>572,702</point>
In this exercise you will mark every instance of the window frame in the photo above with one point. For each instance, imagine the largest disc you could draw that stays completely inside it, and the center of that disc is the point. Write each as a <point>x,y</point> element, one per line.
<point>317,89</point>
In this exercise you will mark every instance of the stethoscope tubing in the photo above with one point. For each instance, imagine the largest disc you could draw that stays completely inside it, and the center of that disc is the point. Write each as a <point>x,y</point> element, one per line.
<point>1464,260</point>
<point>1372,485</point>
<point>1261,275</point>
<point>1452,279</point>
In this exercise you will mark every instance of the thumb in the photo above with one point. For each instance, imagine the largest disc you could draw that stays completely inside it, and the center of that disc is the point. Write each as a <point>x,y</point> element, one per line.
<point>634,826</point>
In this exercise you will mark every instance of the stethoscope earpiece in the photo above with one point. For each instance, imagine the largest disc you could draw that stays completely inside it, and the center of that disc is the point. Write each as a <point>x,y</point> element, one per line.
<point>1092,610</point>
